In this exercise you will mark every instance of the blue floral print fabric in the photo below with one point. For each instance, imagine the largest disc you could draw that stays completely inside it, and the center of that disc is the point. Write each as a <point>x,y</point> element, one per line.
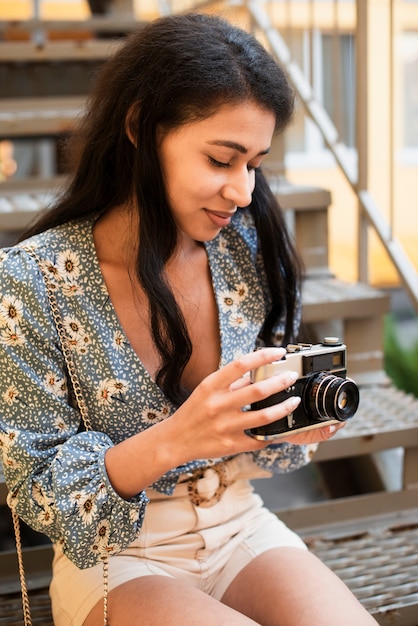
<point>55,468</point>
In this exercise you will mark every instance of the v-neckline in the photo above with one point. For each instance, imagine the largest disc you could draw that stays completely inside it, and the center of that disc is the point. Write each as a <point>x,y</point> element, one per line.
<point>115,319</point>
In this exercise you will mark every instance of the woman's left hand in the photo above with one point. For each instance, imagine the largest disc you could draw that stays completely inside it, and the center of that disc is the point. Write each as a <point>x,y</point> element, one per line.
<point>316,435</point>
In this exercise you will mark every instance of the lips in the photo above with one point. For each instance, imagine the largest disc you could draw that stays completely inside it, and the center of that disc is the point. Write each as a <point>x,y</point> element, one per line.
<point>218,218</point>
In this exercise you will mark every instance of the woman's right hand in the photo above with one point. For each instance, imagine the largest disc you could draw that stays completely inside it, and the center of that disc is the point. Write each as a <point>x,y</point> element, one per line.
<point>211,423</point>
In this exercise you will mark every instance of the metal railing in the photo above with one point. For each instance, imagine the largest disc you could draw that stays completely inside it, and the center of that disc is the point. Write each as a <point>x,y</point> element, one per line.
<point>370,215</point>
<point>275,21</point>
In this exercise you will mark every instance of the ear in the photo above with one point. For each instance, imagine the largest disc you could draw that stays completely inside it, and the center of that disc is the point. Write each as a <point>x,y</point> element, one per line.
<point>131,123</point>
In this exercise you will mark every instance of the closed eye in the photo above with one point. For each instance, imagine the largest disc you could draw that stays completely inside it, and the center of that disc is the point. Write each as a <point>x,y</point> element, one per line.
<point>216,163</point>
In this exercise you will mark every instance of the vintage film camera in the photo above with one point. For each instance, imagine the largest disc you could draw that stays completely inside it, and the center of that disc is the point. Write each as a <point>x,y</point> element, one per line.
<point>327,396</point>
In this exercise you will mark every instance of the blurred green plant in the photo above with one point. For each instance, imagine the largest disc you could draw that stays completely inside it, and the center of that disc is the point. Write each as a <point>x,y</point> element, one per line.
<point>401,361</point>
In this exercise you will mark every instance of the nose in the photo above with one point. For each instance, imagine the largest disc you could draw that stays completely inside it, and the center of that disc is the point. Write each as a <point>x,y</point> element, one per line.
<point>239,187</point>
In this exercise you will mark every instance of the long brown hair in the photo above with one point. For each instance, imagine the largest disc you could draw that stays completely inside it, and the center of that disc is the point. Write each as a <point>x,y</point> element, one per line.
<point>175,70</point>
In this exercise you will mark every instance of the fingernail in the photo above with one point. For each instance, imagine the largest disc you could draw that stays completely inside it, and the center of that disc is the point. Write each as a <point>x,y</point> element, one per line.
<point>294,401</point>
<point>332,428</point>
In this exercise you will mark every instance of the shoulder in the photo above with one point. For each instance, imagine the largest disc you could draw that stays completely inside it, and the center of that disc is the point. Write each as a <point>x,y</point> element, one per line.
<point>58,247</point>
<point>73,235</point>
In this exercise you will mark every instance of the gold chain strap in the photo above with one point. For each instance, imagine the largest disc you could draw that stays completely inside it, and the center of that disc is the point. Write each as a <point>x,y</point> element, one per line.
<point>77,389</point>
<point>27,617</point>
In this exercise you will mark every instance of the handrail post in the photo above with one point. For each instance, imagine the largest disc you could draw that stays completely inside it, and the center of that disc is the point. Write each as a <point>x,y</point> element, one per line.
<point>362,61</point>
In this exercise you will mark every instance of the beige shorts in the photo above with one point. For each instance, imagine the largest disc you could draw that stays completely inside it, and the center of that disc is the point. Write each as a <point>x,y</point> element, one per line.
<point>206,547</point>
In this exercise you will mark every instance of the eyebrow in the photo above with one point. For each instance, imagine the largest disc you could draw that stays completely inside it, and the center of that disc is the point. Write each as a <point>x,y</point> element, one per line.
<point>235,146</point>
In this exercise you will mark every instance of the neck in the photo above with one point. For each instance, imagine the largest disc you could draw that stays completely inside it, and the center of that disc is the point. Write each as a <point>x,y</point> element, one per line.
<point>115,236</point>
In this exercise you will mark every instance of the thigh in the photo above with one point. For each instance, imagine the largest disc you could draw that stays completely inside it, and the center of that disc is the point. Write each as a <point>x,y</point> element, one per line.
<point>156,600</point>
<point>291,587</point>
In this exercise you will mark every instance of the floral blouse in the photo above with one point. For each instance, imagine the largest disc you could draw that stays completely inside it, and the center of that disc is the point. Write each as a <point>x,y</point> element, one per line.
<point>54,468</point>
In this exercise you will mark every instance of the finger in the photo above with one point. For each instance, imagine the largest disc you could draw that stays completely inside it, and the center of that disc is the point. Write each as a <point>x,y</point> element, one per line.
<point>334,428</point>
<point>266,415</point>
<point>240,383</point>
<point>236,369</point>
<point>264,388</point>
<point>329,431</point>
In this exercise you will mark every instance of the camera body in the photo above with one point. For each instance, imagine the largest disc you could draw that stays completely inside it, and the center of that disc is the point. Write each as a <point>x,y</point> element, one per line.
<point>327,395</point>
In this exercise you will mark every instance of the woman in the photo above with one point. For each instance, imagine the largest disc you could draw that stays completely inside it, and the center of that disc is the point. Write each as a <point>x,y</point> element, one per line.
<point>170,262</point>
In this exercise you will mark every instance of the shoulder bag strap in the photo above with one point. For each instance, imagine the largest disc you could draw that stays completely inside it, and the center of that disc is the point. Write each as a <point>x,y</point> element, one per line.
<point>78,393</point>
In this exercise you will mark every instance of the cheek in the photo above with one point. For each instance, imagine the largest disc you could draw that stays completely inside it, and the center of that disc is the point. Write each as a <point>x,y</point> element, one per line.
<point>198,185</point>
<point>209,183</point>
<point>189,179</point>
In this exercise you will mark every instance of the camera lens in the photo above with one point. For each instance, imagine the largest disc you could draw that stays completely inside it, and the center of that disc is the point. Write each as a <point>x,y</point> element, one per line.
<point>331,397</point>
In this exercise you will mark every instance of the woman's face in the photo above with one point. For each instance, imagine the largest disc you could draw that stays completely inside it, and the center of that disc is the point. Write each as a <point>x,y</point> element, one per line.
<point>209,166</point>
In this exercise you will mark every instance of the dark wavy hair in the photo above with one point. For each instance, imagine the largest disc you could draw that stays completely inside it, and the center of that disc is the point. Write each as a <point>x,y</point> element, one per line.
<point>172,71</point>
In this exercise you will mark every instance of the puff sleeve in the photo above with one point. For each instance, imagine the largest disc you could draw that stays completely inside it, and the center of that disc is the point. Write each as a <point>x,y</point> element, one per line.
<point>54,470</point>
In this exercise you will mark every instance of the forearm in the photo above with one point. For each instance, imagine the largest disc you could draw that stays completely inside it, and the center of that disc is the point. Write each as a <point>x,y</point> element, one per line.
<point>142,459</point>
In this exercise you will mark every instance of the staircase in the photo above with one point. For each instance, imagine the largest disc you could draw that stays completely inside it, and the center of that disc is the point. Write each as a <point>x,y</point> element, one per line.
<point>370,538</point>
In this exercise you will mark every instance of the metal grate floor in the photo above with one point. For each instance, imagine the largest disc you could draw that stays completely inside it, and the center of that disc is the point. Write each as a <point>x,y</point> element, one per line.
<point>378,560</point>
<point>381,409</point>
<point>11,612</point>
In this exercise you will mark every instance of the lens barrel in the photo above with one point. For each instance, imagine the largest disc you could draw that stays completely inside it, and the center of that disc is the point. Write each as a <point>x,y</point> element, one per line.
<point>330,397</point>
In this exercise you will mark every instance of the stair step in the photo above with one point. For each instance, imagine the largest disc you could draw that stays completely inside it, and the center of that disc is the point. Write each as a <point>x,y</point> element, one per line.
<point>65,50</point>
<point>386,418</point>
<point>3,488</point>
<point>292,196</point>
<point>375,554</point>
<point>22,199</point>
<point>23,117</point>
<point>377,558</point>
<point>371,540</point>
<point>355,313</point>
<point>74,28</point>
<point>330,298</point>
<point>40,603</point>
<point>37,561</point>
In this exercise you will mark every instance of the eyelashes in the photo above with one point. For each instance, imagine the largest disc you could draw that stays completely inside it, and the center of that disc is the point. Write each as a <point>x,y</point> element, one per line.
<point>220,164</point>
<point>216,163</point>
